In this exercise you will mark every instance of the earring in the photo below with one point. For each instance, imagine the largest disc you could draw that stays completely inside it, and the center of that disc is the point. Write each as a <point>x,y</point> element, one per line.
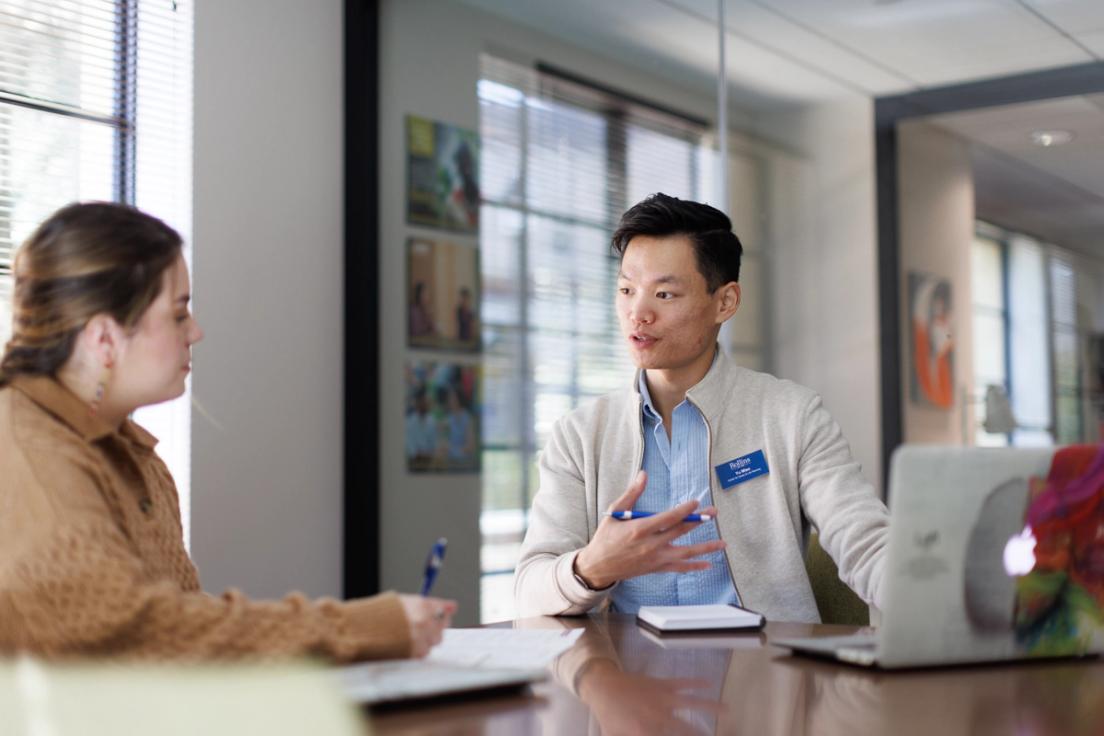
<point>101,388</point>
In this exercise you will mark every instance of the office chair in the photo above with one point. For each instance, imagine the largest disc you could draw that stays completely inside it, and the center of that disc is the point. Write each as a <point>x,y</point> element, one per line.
<point>837,603</point>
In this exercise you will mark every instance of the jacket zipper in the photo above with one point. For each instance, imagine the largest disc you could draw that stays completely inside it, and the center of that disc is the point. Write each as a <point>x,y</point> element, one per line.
<point>712,497</point>
<point>640,428</point>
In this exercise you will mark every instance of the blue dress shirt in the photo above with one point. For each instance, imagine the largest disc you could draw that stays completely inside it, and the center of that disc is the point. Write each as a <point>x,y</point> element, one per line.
<point>678,470</point>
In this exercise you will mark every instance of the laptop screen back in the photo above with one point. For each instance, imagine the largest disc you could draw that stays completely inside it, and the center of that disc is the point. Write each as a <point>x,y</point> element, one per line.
<point>969,577</point>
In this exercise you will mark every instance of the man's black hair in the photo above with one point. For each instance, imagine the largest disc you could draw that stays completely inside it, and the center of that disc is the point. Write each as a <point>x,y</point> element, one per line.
<point>709,231</point>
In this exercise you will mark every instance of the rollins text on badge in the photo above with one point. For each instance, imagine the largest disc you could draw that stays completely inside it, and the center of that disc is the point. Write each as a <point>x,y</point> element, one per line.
<point>740,469</point>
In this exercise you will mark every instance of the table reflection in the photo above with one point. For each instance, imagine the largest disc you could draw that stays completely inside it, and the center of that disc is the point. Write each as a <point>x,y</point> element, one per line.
<point>1025,698</point>
<point>621,679</point>
<point>630,680</point>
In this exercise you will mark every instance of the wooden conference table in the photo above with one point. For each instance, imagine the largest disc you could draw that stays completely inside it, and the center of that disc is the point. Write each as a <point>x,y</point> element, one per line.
<point>629,681</point>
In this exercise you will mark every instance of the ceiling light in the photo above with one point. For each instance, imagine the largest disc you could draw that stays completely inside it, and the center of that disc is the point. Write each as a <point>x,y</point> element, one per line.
<point>1048,138</point>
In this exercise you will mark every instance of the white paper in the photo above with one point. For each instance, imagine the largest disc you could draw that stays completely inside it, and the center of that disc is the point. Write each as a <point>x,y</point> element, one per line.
<point>506,648</point>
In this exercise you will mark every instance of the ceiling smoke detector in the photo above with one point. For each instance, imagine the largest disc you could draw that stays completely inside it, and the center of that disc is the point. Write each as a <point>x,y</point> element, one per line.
<point>1048,138</point>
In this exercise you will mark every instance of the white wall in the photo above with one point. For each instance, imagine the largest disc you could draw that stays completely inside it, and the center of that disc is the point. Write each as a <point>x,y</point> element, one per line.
<point>268,249</point>
<point>823,263</point>
<point>936,191</point>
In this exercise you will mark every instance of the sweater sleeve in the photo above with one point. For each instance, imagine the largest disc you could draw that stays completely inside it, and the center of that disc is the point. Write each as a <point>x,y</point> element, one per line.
<point>81,592</point>
<point>852,521</point>
<point>75,584</point>
<point>545,583</point>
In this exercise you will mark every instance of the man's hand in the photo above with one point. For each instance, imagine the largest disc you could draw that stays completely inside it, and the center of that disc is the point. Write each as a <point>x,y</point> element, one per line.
<point>625,549</point>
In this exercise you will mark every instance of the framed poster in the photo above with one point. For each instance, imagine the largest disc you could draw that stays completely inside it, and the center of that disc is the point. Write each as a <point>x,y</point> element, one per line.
<point>442,176</point>
<point>931,373</point>
<point>442,295</point>
<point>442,417</point>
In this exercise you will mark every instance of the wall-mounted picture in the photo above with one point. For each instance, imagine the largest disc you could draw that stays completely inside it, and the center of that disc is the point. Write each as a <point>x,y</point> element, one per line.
<point>442,175</point>
<point>931,374</point>
<point>442,417</point>
<point>442,295</point>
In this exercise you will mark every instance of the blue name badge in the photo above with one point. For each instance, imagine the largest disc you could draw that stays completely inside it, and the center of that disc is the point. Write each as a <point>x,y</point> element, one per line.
<point>743,468</point>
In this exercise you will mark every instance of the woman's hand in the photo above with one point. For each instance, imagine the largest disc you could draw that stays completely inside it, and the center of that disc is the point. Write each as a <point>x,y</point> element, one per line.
<point>427,618</point>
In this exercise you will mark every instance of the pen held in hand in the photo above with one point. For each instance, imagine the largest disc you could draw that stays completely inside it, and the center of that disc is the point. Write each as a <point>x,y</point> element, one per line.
<point>433,564</point>
<point>627,515</point>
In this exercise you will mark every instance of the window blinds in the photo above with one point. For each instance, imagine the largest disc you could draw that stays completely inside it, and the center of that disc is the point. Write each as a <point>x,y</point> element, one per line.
<point>59,105</point>
<point>561,161</point>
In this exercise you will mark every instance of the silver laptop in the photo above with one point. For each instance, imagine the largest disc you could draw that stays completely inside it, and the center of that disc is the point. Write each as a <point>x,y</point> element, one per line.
<point>979,565</point>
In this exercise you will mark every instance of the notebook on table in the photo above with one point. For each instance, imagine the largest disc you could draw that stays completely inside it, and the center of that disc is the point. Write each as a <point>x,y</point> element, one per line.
<point>397,680</point>
<point>990,558</point>
<point>468,661</point>
<point>703,618</point>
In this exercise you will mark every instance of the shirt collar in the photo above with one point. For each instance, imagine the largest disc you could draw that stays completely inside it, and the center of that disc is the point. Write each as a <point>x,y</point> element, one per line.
<point>66,406</point>
<point>646,398</point>
<point>705,385</point>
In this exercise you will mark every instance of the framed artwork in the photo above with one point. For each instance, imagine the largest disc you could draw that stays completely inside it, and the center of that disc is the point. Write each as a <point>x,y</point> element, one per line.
<point>442,417</point>
<point>931,373</point>
<point>442,295</point>
<point>442,176</point>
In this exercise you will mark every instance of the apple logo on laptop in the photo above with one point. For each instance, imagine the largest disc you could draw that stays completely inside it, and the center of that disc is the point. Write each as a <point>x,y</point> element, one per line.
<point>1019,553</point>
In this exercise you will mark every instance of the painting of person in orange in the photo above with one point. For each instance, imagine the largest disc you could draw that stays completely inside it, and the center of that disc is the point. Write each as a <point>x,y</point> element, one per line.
<point>1062,598</point>
<point>932,341</point>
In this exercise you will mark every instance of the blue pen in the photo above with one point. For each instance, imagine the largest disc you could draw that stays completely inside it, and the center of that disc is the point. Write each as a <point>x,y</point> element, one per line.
<point>626,515</point>
<point>433,564</point>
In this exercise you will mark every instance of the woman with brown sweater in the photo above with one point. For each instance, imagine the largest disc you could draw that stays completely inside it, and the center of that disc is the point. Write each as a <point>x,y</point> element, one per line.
<point>92,559</point>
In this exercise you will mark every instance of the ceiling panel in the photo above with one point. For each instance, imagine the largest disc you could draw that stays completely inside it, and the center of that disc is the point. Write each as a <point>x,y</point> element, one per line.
<point>987,62</point>
<point>1077,17</point>
<point>675,41</point>
<point>782,51</point>
<point>638,32</point>
<point>762,25</point>
<point>1094,42</point>
<point>942,41</point>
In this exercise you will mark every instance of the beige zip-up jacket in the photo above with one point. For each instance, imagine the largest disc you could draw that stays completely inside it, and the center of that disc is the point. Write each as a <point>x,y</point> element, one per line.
<point>595,451</point>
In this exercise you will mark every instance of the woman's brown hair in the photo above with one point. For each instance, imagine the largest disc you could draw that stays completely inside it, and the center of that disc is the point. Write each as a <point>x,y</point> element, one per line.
<point>85,259</point>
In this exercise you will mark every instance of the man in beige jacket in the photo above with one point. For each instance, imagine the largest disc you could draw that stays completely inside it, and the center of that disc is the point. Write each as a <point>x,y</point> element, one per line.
<point>694,433</point>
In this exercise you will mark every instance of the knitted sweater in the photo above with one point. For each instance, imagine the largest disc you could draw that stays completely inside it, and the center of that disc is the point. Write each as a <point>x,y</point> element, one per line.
<point>92,560</point>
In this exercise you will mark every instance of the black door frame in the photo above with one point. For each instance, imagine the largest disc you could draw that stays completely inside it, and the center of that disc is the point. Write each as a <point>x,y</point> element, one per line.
<point>361,553</point>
